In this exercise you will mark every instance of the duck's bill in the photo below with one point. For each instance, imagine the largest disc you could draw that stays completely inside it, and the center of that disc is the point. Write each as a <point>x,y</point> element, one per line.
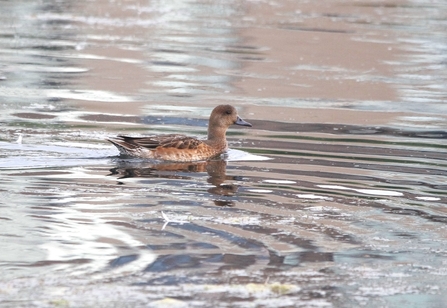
<point>239,121</point>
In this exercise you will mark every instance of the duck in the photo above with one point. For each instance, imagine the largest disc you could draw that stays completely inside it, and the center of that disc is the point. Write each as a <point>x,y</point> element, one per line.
<point>182,148</point>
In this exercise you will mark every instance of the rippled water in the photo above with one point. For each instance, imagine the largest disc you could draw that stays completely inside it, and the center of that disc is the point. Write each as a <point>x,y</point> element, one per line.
<point>336,197</point>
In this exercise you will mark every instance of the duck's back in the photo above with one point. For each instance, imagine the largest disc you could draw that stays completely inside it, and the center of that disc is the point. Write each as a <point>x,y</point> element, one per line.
<point>171,147</point>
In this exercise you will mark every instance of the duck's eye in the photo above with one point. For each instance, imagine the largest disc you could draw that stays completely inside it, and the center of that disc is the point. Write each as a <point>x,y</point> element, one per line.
<point>228,111</point>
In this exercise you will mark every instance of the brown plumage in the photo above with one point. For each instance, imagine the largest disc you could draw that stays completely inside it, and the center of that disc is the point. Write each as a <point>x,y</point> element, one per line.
<point>182,148</point>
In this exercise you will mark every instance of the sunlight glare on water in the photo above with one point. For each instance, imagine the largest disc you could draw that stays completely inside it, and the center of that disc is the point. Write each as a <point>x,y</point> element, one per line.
<point>336,197</point>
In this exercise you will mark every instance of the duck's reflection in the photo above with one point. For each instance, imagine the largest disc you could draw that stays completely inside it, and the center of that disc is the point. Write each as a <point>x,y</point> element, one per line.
<point>216,170</point>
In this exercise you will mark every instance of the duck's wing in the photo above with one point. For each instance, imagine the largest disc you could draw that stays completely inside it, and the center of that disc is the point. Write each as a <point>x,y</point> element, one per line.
<point>153,142</point>
<point>179,142</point>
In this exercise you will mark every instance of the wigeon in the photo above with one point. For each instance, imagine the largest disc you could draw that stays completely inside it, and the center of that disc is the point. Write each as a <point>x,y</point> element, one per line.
<point>181,148</point>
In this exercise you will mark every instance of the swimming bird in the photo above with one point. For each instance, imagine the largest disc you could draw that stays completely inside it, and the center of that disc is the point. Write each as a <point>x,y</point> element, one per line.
<point>181,148</point>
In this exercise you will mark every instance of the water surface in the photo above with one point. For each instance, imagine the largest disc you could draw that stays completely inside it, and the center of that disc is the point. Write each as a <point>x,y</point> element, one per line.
<point>335,197</point>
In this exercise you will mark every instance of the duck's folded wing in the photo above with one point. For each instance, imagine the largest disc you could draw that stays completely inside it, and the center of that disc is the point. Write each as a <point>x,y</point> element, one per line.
<point>180,142</point>
<point>153,142</point>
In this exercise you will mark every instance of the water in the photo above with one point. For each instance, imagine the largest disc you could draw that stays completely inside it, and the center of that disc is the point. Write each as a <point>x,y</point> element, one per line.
<point>335,197</point>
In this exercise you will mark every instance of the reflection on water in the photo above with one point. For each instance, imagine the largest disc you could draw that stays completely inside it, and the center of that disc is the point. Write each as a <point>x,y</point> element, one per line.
<point>336,197</point>
<point>216,170</point>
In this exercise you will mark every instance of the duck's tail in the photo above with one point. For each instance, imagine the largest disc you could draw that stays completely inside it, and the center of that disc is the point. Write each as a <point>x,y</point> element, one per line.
<point>125,145</point>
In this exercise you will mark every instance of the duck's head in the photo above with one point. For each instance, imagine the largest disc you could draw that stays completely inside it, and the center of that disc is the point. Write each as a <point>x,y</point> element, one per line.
<point>224,116</point>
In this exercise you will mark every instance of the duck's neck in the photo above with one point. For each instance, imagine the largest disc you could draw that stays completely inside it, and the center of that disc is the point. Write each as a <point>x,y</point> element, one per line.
<point>216,137</point>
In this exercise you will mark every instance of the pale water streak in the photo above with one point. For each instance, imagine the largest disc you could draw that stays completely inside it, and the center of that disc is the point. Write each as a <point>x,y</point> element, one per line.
<point>336,197</point>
